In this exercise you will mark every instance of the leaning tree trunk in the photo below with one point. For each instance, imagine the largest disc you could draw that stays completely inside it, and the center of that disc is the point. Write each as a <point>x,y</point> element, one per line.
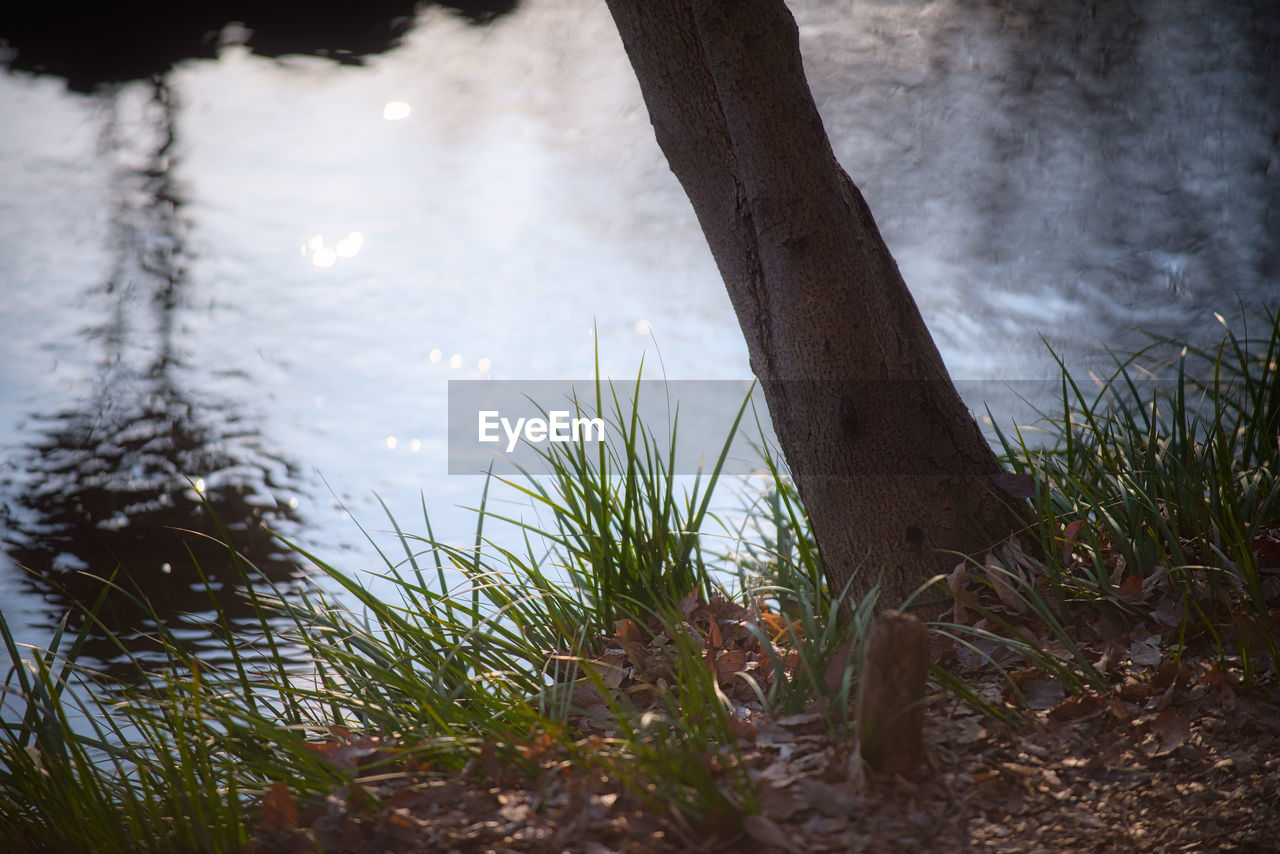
<point>892,469</point>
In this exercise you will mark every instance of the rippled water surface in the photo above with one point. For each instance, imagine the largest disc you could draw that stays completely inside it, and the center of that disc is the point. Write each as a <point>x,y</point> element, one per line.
<point>254,278</point>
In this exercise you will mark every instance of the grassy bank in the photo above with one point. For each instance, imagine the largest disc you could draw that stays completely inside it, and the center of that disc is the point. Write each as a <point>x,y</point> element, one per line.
<point>627,655</point>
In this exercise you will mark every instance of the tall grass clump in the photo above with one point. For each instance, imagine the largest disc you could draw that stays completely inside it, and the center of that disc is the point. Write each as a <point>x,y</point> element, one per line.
<point>627,541</point>
<point>1158,492</point>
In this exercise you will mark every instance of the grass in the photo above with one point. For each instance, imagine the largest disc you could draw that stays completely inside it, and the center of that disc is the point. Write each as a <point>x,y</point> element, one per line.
<point>1152,500</point>
<point>1160,491</point>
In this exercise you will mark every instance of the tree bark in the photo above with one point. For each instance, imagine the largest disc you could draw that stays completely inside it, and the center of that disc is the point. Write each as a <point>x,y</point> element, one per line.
<point>891,467</point>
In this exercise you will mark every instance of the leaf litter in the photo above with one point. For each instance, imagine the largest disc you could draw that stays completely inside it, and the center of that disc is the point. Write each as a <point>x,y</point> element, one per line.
<point>1172,749</point>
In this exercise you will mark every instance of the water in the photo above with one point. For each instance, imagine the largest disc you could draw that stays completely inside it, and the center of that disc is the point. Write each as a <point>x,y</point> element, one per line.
<point>254,279</point>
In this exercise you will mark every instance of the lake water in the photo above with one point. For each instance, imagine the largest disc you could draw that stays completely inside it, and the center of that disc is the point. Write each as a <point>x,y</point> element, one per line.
<point>261,274</point>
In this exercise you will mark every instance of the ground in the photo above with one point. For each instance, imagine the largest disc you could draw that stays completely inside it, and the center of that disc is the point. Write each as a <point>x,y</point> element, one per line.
<point>1176,752</point>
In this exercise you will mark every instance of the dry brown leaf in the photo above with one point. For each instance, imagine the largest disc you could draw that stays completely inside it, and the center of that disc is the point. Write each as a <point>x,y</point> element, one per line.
<point>1039,690</point>
<point>279,811</point>
<point>1146,652</point>
<point>776,626</point>
<point>540,747</point>
<point>1170,730</point>
<point>715,639</point>
<point>1170,611</point>
<point>345,751</point>
<point>1266,548</point>
<point>1131,588</point>
<point>611,669</point>
<point>729,662</point>
<point>627,630</point>
<point>1069,536</point>
<point>1076,707</point>
<point>999,577</point>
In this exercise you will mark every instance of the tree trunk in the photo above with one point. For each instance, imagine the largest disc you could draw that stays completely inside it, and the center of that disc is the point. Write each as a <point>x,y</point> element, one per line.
<point>892,469</point>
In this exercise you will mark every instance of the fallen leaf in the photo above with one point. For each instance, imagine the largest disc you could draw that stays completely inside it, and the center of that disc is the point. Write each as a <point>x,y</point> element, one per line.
<point>279,811</point>
<point>1266,548</point>
<point>999,576</point>
<point>1130,588</point>
<point>1076,707</point>
<point>1069,536</point>
<point>610,669</point>
<point>1119,709</point>
<point>541,747</point>
<point>1170,611</point>
<point>628,630</point>
<point>1039,690</point>
<point>1145,653</point>
<point>776,625</point>
<point>715,639</point>
<point>1170,730</point>
<point>729,662</point>
<point>345,751</point>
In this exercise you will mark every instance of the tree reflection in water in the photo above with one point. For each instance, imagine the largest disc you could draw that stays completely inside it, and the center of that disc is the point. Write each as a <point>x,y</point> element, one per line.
<point>121,486</point>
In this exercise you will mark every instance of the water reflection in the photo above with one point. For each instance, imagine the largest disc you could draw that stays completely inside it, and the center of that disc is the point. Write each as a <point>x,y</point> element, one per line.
<point>1035,172</point>
<point>117,486</point>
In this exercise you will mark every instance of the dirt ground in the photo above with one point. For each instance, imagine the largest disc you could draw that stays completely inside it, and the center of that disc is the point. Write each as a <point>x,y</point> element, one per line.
<point>1174,754</point>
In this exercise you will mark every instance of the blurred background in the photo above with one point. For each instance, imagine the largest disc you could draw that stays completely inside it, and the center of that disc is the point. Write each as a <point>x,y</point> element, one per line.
<point>242,253</point>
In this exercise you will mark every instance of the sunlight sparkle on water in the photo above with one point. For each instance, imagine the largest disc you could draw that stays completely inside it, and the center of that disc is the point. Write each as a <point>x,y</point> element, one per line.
<point>326,256</point>
<point>391,443</point>
<point>435,355</point>
<point>396,110</point>
<point>484,364</point>
<point>348,246</point>
<point>455,361</point>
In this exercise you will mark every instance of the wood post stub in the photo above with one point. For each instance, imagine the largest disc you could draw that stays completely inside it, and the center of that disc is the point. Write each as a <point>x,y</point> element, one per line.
<point>895,664</point>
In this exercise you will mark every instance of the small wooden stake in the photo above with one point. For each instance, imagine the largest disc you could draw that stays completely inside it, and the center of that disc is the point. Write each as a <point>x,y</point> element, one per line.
<point>891,692</point>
